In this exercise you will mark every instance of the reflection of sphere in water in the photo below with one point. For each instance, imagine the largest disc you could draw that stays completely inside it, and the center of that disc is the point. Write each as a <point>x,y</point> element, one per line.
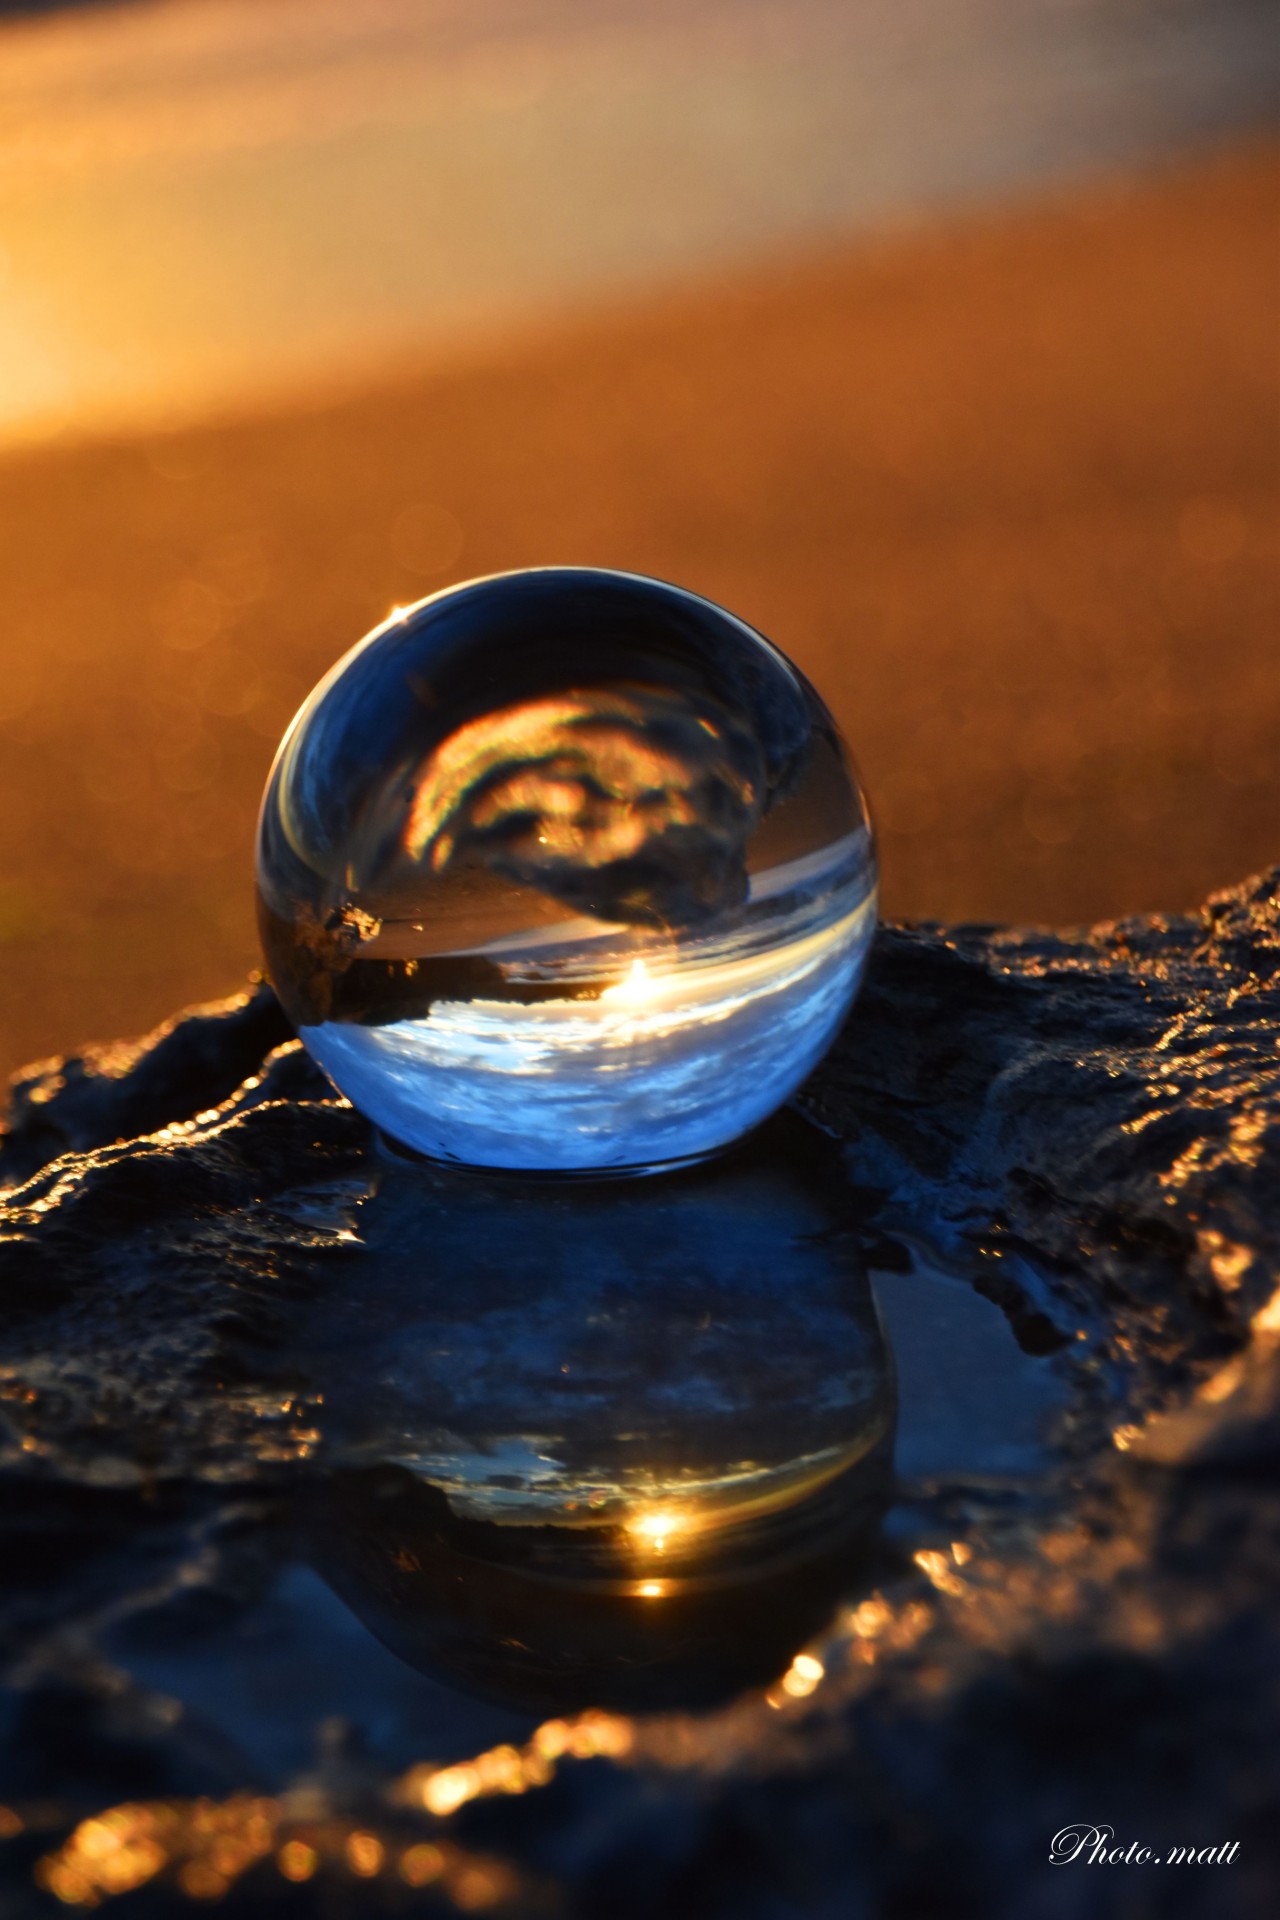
<point>615,1442</point>
<point>565,869</point>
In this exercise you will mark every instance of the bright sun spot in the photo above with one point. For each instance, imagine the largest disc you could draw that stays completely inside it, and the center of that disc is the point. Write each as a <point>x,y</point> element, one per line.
<point>636,988</point>
<point>653,1529</point>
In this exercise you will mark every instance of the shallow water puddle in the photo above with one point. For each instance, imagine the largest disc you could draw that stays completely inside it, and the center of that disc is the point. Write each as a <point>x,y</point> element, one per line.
<point>971,1404</point>
<point>647,1486</point>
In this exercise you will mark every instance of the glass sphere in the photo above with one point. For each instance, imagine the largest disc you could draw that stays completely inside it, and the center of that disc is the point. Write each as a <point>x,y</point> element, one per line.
<point>565,869</point>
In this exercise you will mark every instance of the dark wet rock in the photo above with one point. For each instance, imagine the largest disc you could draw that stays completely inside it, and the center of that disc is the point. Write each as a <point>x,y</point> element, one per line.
<point>117,1092</point>
<point>1087,1127</point>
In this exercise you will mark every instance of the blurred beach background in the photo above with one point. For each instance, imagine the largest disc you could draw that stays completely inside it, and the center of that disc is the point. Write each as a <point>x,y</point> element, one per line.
<point>940,339</point>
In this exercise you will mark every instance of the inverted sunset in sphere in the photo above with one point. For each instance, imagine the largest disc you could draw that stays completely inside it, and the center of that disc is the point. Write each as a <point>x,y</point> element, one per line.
<point>565,870</point>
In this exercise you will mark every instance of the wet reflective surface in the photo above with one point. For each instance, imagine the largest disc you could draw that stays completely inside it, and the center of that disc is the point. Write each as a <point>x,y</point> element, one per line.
<point>565,869</point>
<point>575,1454</point>
<point>621,1444</point>
<point>609,1444</point>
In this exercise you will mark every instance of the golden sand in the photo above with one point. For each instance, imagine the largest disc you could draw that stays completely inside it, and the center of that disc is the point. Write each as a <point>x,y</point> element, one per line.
<point>1004,488</point>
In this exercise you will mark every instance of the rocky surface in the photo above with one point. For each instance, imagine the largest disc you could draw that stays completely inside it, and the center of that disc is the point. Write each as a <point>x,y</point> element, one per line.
<point>1086,1126</point>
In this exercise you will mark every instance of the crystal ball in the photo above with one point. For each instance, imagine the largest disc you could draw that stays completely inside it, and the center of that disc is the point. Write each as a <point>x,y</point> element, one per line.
<point>565,870</point>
